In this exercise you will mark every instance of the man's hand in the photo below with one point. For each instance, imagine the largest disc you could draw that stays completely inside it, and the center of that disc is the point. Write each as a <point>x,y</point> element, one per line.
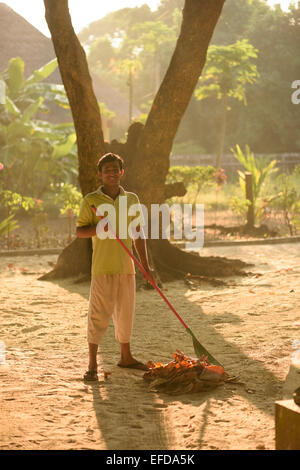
<point>150,273</point>
<point>141,248</point>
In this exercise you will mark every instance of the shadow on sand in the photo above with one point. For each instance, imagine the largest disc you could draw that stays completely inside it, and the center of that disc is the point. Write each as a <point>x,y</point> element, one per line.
<point>140,421</point>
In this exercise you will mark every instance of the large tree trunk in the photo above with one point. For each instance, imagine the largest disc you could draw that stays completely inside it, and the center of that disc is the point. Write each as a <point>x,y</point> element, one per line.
<point>78,85</point>
<point>146,152</point>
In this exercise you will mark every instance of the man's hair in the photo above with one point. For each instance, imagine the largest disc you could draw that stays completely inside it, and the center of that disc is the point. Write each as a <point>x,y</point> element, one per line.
<point>110,157</point>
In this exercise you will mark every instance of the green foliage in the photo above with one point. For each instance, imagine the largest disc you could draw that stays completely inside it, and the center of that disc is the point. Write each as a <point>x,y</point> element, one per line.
<point>115,24</point>
<point>150,37</point>
<point>296,171</point>
<point>7,225</point>
<point>239,206</point>
<point>128,66</point>
<point>35,153</point>
<point>101,53</point>
<point>39,218</point>
<point>15,72</point>
<point>64,148</point>
<point>42,73</point>
<point>132,41</point>
<point>269,124</point>
<point>193,177</point>
<point>227,71</point>
<point>11,203</point>
<point>69,199</point>
<point>288,200</point>
<point>105,111</point>
<point>21,92</point>
<point>260,168</point>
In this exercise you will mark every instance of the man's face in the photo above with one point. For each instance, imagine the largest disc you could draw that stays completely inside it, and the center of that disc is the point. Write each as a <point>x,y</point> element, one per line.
<point>111,174</point>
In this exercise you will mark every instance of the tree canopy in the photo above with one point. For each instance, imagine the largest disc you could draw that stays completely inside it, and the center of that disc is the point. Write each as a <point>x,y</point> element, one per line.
<point>228,70</point>
<point>269,122</point>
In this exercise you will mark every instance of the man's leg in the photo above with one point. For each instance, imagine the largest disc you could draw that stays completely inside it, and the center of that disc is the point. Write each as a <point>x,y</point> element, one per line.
<point>91,374</point>
<point>123,319</point>
<point>126,356</point>
<point>127,360</point>
<point>101,305</point>
<point>93,348</point>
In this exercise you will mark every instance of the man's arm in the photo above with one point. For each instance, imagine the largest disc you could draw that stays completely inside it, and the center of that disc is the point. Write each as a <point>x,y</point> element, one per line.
<point>86,231</point>
<point>86,227</point>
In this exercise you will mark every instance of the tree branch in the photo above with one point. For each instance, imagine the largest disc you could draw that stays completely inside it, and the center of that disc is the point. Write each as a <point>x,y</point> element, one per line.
<point>199,20</point>
<point>174,189</point>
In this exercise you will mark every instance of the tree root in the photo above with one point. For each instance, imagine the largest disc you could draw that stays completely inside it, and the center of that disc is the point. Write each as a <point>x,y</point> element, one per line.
<point>261,231</point>
<point>74,260</point>
<point>169,263</point>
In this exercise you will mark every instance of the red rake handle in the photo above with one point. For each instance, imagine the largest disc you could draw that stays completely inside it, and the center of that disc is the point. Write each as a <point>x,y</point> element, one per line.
<point>153,283</point>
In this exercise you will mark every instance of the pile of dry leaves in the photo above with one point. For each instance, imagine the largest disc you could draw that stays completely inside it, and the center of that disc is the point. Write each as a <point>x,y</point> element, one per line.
<point>184,374</point>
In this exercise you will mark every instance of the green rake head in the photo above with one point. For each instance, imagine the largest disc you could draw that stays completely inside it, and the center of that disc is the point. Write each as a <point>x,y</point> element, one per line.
<point>200,350</point>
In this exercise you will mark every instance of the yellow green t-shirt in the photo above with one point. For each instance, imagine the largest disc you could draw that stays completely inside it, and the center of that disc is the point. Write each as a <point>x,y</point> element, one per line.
<point>109,257</point>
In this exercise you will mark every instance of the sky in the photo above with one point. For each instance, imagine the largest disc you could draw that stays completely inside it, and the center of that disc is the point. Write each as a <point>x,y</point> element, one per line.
<point>84,12</point>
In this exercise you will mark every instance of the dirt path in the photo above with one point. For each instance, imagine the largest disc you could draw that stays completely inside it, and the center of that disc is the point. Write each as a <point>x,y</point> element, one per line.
<point>249,326</point>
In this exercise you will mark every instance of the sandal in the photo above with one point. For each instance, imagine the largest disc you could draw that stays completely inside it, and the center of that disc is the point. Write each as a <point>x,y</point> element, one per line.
<point>91,375</point>
<point>135,365</point>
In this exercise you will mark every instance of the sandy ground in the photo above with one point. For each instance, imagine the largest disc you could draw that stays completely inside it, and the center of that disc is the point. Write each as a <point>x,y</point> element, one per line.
<point>250,326</point>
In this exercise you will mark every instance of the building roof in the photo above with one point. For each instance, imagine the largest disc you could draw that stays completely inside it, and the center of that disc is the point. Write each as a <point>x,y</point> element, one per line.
<point>19,38</point>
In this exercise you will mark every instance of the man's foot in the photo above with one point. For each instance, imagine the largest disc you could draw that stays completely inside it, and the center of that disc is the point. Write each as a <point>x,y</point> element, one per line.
<point>91,375</point>
<point>133,365</point>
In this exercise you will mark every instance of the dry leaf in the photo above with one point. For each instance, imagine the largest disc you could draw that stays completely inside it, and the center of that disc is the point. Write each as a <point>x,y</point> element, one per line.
<point>184,374</point>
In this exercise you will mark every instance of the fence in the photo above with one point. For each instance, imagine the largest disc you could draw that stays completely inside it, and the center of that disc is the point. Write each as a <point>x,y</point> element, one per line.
<point>285,161</point>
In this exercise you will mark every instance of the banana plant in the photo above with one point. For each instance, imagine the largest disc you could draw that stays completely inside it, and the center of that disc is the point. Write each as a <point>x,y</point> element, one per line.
<point>22,92</point>
<point>7,225</point>
<point>259,167</point>
<point>35,153</point>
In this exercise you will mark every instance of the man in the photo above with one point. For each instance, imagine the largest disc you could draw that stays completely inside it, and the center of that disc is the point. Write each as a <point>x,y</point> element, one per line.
<point>112,290</point>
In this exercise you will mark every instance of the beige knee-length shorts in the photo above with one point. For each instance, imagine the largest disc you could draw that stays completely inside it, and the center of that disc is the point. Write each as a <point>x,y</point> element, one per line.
<point>111,295</point>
